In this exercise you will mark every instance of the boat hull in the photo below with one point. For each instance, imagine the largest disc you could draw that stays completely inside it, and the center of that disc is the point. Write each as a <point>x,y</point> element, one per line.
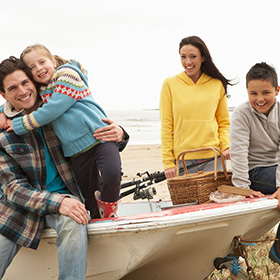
<point>179,243</point>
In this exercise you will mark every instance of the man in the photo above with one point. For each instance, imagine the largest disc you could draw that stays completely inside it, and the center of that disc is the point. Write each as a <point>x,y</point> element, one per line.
<point>37,185</point>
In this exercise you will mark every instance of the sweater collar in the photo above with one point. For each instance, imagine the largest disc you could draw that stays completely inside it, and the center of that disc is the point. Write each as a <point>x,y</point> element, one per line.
<point>261,115</point>
<point>202,79</point>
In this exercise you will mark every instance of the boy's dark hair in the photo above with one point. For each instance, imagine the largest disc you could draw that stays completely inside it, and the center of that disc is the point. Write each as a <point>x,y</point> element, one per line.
<point>10,65</point>
<point>262,71</point>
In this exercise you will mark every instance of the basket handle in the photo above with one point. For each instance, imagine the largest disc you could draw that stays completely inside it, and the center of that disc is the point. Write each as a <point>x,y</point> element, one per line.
<point>214,149</point>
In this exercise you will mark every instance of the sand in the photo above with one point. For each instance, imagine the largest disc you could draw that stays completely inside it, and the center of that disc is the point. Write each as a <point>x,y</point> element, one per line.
<point>139,159</point>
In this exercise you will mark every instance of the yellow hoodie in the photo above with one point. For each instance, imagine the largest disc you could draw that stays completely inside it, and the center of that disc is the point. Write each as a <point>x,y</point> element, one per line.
<point>192,116</point>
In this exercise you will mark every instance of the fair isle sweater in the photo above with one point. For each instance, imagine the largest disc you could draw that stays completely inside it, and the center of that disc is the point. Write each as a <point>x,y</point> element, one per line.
<point>69,105</point>
<point>192,116</point>
<point>255,142</point>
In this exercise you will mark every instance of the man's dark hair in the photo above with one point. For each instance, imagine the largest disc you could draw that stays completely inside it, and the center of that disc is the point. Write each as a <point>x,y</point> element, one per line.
<point>10,65</point>
<point>262,71</point>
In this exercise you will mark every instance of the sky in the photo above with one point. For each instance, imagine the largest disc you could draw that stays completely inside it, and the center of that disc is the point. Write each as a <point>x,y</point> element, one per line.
<point>130,46</point>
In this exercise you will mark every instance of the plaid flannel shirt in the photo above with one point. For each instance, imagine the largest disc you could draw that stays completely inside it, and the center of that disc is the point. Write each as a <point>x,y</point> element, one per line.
<point>24,200</point>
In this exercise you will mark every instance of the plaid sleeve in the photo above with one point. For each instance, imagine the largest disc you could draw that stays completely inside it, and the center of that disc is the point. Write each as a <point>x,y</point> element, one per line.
<point>19,181</point>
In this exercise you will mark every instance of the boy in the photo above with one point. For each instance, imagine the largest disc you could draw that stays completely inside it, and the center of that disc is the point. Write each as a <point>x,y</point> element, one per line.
<point>255,138</point>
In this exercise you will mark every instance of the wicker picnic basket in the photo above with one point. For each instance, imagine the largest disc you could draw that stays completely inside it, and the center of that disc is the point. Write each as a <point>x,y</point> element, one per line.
<point>196,187</point>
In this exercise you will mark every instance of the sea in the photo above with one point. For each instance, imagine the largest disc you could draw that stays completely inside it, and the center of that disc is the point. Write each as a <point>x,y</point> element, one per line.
<point>143,126</point>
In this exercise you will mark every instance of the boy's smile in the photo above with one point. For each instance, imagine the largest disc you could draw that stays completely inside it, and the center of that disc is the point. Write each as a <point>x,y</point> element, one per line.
<point>262,95</point>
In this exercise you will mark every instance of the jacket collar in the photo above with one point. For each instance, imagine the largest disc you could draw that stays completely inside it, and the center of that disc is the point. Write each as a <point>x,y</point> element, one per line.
<point>11,112</point>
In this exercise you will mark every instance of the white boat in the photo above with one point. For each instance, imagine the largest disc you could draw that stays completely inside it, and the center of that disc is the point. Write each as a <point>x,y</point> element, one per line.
<point>150,241</point>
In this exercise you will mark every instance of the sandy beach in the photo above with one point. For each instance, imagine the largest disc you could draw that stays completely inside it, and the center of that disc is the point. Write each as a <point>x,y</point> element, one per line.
<point>142,158</point>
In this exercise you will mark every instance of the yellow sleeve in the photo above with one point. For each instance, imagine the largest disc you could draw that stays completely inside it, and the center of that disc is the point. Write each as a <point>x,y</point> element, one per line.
<point>222,116</point>
<point>166,117</point>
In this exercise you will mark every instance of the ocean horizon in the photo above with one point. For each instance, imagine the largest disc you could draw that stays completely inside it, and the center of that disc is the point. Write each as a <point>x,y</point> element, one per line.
<point>142,125</point>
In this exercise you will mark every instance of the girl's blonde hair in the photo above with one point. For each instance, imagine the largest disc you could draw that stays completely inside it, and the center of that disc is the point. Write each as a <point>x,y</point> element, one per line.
<point>45,51</point>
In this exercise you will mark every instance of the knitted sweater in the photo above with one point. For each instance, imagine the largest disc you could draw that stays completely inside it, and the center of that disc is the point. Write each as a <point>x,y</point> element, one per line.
<point>192,116</point>
<point>70,107</point>
<point>254,142</point>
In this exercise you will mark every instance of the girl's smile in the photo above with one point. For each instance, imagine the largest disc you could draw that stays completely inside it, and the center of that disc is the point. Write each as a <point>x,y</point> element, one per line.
<point>42,68</point>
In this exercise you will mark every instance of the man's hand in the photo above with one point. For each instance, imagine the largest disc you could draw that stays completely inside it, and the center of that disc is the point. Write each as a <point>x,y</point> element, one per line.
<point>170,172</point>
<point>74,209</point>
<point>111,133</point>
<point>3,121</point>
<point>9,125</point>
<point>277,196</point>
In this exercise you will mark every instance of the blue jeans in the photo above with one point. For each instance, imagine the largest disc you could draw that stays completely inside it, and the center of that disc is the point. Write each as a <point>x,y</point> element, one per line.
<point>263,179</point>
<point>71,247</point>
<point>8,250</point>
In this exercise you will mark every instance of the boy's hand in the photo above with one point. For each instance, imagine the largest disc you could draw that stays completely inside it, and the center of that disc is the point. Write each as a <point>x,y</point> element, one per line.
<point>10,125</point>
<point>3,121</point>
<point>277,196</point>
<point>256,194</point>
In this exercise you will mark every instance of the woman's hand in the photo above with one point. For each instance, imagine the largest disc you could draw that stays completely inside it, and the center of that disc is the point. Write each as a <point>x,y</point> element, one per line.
<point>110,133</point>
<point>170,172</point>
<point>226,154</point>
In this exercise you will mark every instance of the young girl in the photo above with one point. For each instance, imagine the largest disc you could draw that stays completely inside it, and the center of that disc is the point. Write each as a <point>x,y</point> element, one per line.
<point>193,108</point>
<point>74,114</point>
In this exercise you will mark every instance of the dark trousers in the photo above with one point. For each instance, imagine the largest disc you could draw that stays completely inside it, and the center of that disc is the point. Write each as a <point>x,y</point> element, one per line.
<point>263,179</point>
<point>98,169</point>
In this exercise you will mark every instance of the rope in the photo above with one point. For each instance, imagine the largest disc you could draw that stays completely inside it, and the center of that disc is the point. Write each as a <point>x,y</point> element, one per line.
<point>235,266</point>
<point>249,244</point>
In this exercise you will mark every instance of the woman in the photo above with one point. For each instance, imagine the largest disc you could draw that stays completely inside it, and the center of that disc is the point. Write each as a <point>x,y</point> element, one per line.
<point>193,109</point>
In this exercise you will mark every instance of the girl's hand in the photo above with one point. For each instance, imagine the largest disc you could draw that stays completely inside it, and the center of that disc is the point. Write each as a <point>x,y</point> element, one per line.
<point>170,172</point>
<point>3,121</point>
<point>10,125</point>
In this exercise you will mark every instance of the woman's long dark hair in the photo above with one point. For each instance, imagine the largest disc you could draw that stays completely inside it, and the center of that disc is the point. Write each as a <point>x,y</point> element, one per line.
<point>208,67</point>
